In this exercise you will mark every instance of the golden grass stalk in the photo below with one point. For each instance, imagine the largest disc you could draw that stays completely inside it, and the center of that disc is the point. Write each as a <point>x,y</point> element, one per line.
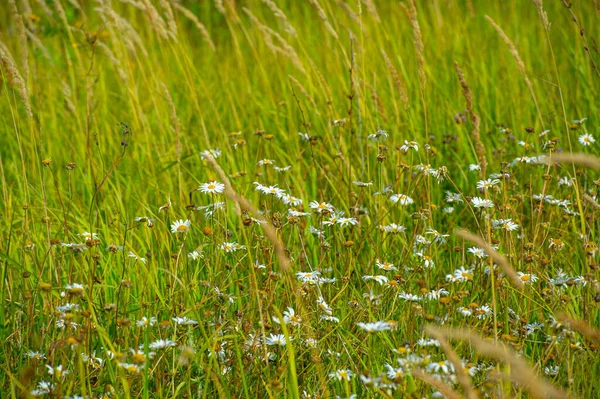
<point>137,4</point>
<point>521,372</point>
<point>499,259</point>
<point>396,78</point>
<point>324,18</point>
<point>38,43</point>
<point>543,17</point>
<point>280,15</point>
<point>586,160</point>
<point>114,60</point>
<point>479,148</point>
<point>582,327</point>
<point>174,119</point>
<point>156,22</point>
<point>220,6</point>
<point>203,31</point>
<point>370,5</point>
<point>284,47</point>
<point>243,203</point>
<point>22,36</point>
<point>171,24</point>
<point>68,95</point>
<point>14,78</point>
<point>591,201</point>
<point>441,386</point>
<point>348,10</point>
<point>42,4</point>
<point>520,64</point>
<point>463,377</point>
<point>411,11</point>
<point>296,83</point>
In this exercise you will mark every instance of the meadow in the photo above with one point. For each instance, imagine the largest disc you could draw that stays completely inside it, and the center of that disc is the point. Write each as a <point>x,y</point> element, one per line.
<point>299,199</point>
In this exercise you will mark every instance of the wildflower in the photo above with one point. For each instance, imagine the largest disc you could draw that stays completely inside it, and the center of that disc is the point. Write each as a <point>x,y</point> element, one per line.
<point>89,236</point>
<point>329,318</point>
<point>481,203</point>
<point>184,321</point>
<point>35,355</point>
<point>393,228</point>
<point>586,139</point>
<point>404,200</point>
<point>380,279</point>
<point>437,294</point>
<point>551,370</point>
<point>321,207</point>
<point>131,368</point>
<point>347,221</point>
<point>394,373</point>
<point>289,317</point>
<point>474,167</point>
<point>408,145</point>
<point>362,184</point>
<point>195,255</point>
<point>453,197</point>
<point>379,134</point>
<point>409,297</point>
<point>477,252</point>
<point>132,255</point>
<point>387,266</point>
<point>212,187</point>
<point>442,367</point>
<point>162,344</point>
<point>75,289</point>
<point>527,278</point>
<point>265,161</point>
<point>376,326</point>
<point>342,375</point>
<point>146,322</point>
<point>438,237</point>
<point>294,213</point>
<point>324,306</point>
<point>284,169</point>
<point>215,153</point>
<point>276,339</point>
<point>505,224</point>
<point>231,246</point>
<point>487,184</point>
<point>304,136</point>
<point>58,371</point>
<point>144,219</point>
<point>460,275</point>
<point>290,200</point>
<point>180,226</point>
<point>333,218</point>
<point>43,388</point>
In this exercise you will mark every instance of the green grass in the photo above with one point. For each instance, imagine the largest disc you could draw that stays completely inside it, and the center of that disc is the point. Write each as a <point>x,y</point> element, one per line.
<point>125,99</point>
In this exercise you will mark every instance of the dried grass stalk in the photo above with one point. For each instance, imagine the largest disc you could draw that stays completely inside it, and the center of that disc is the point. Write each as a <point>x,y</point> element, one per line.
<point>280,15</point>
<point>479,148</point>
<point>284,47</point>
<point>589,332</point>
<point>171,24</point>
<point>370,5</point>
<point>411,11</point>
<point>591,201</point>
<point>14,78</point>
<point>518,60</point>
<point>586,160</point>
<point>521,372</point>
<point>203,31</point>
<point>174,119</point>
<point>323,17</point>
<point>463,377</point>
<point>499,259</point>
<point>304,93</point>
<point>397,81</point>
<point>441,386</point>
<point>156,22</point>
<point>242,202</point>
<point>543,17</point>
<point>22,36</point>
